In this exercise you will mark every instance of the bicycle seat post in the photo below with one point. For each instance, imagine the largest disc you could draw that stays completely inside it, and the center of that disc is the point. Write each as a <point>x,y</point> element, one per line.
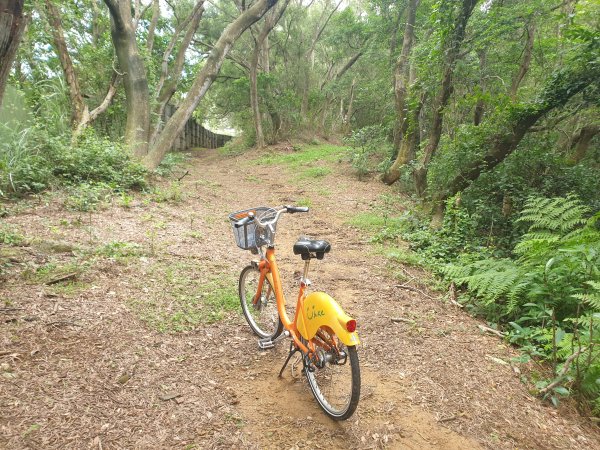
<point>305,281</point>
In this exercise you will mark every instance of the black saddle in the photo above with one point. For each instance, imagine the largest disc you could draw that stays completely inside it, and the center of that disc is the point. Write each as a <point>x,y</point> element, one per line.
<point>309,248</point>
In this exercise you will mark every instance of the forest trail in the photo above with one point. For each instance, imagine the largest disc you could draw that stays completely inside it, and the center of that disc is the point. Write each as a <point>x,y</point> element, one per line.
<point>84,364</point>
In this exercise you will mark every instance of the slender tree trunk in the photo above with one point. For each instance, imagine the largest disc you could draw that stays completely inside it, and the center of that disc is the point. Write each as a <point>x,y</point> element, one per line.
<point>95,22</point>
<point>79,110</point>
<point>310,56</point>
<point>100,109</point>
<point>480,105</point>
<point>258,130</point>
<point>401,83</point>
<point>134,78</point>
<point>204,79</point>
<point>153,23</point>
<point>581,143</point>
<point>452,53</point>
<point>12,25</point>
<point>167,85</point>
<point>524,66</point>
<point>346,126</point>
<point>261,46</point>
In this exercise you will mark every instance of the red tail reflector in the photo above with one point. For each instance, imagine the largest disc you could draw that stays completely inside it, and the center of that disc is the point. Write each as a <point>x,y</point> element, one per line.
<point>351,325</point>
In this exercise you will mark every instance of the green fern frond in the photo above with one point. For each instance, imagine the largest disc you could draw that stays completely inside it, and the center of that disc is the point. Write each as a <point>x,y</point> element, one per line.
<point>492,279</point>
<point>554,214</point>
<point>592,298</point>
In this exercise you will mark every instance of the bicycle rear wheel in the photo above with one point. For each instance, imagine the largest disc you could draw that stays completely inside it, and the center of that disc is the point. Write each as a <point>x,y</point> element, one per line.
<point>336,384</point>
<point>262,316</point>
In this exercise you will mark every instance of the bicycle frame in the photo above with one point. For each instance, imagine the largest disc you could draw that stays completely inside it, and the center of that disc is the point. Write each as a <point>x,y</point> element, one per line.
<point>323,311</point>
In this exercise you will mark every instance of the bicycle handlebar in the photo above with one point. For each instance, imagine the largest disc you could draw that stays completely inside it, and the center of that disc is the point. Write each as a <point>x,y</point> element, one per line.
<point>281,209</point>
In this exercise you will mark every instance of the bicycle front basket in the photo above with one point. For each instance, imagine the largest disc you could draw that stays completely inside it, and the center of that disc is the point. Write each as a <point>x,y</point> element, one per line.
<point>249,236</point>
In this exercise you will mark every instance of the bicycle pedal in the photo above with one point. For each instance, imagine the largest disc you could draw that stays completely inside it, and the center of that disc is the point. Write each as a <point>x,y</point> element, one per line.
<point>265,343</point>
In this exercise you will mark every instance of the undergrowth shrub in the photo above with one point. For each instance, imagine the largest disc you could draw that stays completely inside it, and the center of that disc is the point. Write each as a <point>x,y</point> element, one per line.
<point>32,160</point>
<point>98,160</point>
<point>368,147</point>
<point>547,295</point>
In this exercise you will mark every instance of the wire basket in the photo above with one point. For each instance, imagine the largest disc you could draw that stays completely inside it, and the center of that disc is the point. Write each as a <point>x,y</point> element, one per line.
<point>251,236</point>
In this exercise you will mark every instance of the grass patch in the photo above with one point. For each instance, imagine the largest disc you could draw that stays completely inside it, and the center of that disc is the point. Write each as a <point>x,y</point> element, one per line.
<point>170,194</point>
<point>314,172</point>
<point>171,162</point>
<point>182,303</point>
<point>117,249</point>
<point>69,289</point>
<point>51,271</point>
<point>307,155</point>
<point>304,202</point>
<point>9,236</point>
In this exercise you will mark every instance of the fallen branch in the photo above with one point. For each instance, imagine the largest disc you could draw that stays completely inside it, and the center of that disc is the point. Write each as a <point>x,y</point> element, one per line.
<point>68,276</point>
<point>491,330</point>
<point>563,371</point>
<point>413,289</point>
<point>402,319</point>
<point>452,293</point>
<point>187,172</point>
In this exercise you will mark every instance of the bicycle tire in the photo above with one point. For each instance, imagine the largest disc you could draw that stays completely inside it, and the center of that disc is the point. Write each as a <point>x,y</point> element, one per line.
<point>263,318</point>
<point>350,394</point>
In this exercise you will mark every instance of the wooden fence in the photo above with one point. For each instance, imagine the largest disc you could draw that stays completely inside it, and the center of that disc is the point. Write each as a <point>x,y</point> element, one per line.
<point>193,135</point>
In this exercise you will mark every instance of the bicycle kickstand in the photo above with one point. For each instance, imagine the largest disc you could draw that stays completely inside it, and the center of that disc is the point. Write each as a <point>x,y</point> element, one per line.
<point>293,350</point>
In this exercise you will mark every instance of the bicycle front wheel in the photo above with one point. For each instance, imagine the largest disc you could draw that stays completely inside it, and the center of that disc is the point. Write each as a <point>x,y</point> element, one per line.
<point>335,380</point>
<point>261,315</point>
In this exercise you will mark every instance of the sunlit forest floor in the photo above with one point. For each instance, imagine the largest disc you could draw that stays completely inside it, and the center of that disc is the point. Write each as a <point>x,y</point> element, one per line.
<point>120,327</point>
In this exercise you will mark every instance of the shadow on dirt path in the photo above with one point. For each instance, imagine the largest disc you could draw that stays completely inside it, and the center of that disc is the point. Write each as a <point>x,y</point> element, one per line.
<point>144,345</point>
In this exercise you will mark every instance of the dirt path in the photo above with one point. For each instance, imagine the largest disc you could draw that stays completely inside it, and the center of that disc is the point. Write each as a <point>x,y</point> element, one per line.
<point>84,363</point>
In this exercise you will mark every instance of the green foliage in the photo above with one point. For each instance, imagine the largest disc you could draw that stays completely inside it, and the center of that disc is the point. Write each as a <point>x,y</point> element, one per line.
<point>119,249</point>
<point>368,147</point>
<point>87,197</point>
<point>32,160</point>
<point>170,163</point>
<point>549,295</point>
<point>9,236</point>
<point>97,160</point>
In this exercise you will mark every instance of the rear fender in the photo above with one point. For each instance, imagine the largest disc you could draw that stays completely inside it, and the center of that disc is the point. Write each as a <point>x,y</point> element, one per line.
<point>322,310</point>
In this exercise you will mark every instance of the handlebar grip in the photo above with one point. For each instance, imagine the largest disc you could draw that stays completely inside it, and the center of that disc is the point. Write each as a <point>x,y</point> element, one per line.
<point>244,221</point>
<point>295,209</point>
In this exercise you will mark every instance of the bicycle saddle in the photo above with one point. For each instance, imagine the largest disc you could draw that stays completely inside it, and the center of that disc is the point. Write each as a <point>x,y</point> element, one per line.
<point>309,248</point>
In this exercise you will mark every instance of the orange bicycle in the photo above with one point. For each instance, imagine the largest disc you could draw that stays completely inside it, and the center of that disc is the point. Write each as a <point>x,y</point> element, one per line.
<point>320,330</point>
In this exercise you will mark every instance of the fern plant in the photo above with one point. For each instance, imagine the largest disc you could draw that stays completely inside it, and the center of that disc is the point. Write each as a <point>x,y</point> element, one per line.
<point>549,295</point>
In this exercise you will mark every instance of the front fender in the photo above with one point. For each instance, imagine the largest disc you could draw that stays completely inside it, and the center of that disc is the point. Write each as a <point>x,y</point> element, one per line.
<point>322,310</point>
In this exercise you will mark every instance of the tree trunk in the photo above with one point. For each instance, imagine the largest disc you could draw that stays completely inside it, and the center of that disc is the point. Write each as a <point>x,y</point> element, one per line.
<point>134,78</point>
<point>310,56</point>
<point>79,110</point>
<point>581,143</point>
<point>12,25</point>
<point>401,82</point>
<point>346,127</point>
<point>100,109</point>
<point>261,46</point>
<point>480,105</point>
<point>524,66</point>
<point>204,80</point>
<point>258,130</point>
<point>152,27</point>
<point>456,38</point>
<point>167,84</point>
<point>556,93</point>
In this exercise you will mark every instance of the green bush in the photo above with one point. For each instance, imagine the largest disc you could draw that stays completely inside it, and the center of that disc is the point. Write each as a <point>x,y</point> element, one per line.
<point>368,147</point>
<point>97,160</point>
<point>547,296</point>
<point>32,160</point>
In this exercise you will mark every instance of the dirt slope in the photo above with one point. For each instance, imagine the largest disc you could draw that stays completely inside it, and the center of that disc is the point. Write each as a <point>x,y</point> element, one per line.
<point>84,365</point>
